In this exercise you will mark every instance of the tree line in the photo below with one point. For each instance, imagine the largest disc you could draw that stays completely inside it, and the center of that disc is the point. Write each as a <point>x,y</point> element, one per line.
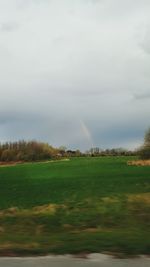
<point>25,151</point>
<point>144,151</point>
<point>110,152</point>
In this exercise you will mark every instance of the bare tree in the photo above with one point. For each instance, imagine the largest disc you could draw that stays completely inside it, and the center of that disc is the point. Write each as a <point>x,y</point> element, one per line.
<point>144,152</point>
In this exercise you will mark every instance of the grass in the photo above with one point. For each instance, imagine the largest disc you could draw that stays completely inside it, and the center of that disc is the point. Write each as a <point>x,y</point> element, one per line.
<point>81,205</point>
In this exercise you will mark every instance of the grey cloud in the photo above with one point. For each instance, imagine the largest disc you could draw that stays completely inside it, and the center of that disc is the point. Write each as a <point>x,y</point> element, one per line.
<point>73,78</point>
<point>141,96</point>
<point>9,26</point>
<point>145,44</point>
<point>146,47</point>
<point>27,3</point>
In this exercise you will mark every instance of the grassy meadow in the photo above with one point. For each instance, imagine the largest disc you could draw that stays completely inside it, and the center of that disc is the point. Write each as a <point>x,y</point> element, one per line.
<point>77,206</point>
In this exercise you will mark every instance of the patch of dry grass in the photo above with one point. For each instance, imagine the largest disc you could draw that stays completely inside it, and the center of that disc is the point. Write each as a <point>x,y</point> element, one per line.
<point>143,198</point>
<point>139,163</point>
<point>50,209</point>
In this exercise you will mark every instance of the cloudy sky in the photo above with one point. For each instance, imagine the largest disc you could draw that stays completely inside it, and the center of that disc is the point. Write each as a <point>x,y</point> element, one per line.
<point>75,72</point>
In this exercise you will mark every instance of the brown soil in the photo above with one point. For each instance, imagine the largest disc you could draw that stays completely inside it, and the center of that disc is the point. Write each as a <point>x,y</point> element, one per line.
<point>10,163</point>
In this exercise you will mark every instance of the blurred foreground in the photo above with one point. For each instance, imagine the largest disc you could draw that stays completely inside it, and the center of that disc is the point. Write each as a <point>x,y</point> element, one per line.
<point>88,205</point>
<point>94,260</point>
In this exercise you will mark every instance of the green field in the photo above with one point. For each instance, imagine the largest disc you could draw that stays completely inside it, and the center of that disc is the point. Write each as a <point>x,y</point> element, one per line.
<point>81,205</point>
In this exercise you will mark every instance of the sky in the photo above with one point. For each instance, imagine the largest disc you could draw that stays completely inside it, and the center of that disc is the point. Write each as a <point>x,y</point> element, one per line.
<point>75,73</point>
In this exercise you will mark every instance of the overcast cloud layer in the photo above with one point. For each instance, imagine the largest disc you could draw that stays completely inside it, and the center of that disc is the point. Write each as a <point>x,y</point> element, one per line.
<point>75,73</point>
